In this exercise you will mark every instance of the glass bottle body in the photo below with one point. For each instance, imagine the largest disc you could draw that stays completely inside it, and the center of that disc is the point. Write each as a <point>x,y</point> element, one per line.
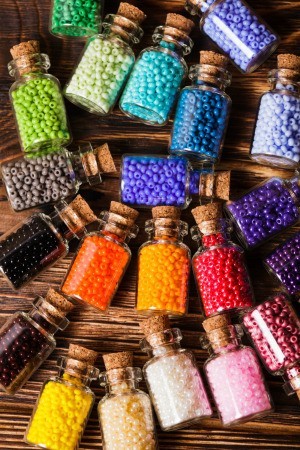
<point>150,180</point>
<point>276,138</point>
<point>154,84</point>
<point>266,210</point>
<point>100,75</point>
<point>74,19</point>
<point>274,330</point>
<point>39,109</point>
<point>237,31</point>
<point>221,274</point>
<point>237,385</point>
<point>200,122</point>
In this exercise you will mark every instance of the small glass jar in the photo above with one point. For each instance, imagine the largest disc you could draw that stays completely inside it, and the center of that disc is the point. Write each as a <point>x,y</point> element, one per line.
<point>274,329</point>
<point>164,265</point>
<point>292,381</point>
<point>237,31</point>
<point>26,340</point>
<point>155,80</point>
<point>219,266</point>
<point>284,264</point>
<point>174,382</point>
<point>75,18</point>
<point>276,138</point>
<point>202,112</point>
<point>266,210</point>
<point>106,62</point>
<point>47,179</point>
<point>234,374</point>
<point>102,258</point>
<point>64,404</point>
<point>37,102</point>
<point>41,240</point>
<point>125,412</point>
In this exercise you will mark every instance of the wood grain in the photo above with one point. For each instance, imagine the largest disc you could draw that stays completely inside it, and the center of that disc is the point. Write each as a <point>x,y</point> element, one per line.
<point>118,330</point>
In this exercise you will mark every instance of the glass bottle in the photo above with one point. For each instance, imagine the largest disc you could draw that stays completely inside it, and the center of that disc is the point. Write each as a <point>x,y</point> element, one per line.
<point>237,31</point>
<point>265,210</point>
<point>106,62</point>
<point>203,110</point>
<point>276,138</point>
<point>102,258</point>
<point>75,18</point>
<point>125,412</point>
<point>164,264</point>
<point>284,264</point>
<point>219,265</point>
<point>37,102</point>
<point>155,80</point>
<point>41,240</point>
<point>49,178</point>
<point>26,339</point>
<point>292,381</point>
<point>172,376</point>
<point>233,374</point>
<point>65,403</point>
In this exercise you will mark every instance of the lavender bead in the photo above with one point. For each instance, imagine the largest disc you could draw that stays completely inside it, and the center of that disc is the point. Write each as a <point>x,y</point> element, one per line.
<point>284,263</point>
<point>265,211</point>
<point>148,181</point>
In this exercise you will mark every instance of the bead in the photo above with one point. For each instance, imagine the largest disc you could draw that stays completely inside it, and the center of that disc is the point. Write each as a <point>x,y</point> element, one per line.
<point>275,331</point>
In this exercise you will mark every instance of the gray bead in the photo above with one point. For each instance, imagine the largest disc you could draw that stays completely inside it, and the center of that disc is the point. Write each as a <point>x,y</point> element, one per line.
<point>57,172</point>
<point>26,187</point>
<point>26,172</point>
<point>45,163</point>
<point>52,176</point>
<point>19,184</point>
<point>23,164</point>
<point>14,171</point>
<point>7,176</point>
<point>55,185</point>
<point>70,185</point>
<point>38,167</point>
<point>47,198</point>
<point>45,172</point>
<point>52,164</point>
<point>27,180</point>
<point>35,192</point>
<point>35,183</point>
<point>55,196</point>
<point>39,160</point>
<point>65,192</point>
<point>15,179</point>
<point>33,175</point>
<point>42,179</point>
<point>20,175</point>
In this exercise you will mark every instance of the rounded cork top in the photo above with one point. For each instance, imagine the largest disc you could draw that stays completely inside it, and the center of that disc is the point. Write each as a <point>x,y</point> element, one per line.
<point>166,212</point>
<point>25,48</point>
<point>211,211</point>
<point>105,159</point>
<point>131,13</point>
<point>213,59</point>
<point>78,214</point>
<point>215,185</point>
<point>216,322</point>
<point>118,360</point>
<point>123,210</point>
<point>59,302</point>
<point>288,61</point>
<point>155,324</point>
<point>82,354</point>
<point>179,22</point>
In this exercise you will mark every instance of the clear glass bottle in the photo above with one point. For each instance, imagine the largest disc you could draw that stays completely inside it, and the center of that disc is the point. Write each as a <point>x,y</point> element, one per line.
<point>65,403</point>
<point>233,373</point>
<point>265,210</point>
<point>37,102</point>
<point>172,376</point>
<point>284,264</point>
<point>125,413</point>
<point>155,80</point>
<point>49,178</point>
<point>75,18</point>
<point>102,258</point>
<point>202,112</point>
<point>276,138</point>
<point>292,381</point>
<point>41,240</point>
<point>219,265</point>
<point>26,339</point>
<point>106,62</point>
<point>164,265</point>
<point>237,30</point>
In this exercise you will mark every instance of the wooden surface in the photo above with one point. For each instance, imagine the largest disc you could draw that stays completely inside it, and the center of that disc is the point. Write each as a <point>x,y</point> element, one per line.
<point>118,330</point>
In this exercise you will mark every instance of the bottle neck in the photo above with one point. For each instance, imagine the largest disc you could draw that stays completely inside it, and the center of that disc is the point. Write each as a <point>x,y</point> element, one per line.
<point>212,232</point>
<point>172,39</point>
<point>162,343</point>
<point>85,165</point>
<point>117,227</point>
<point>76,372</point>
<point>67,222</point>
<point>47,317</point>
<point>208,75</point>
<point>121,381</point>
<point>122,28</point>
<point>285,79</point>
<point>166,229</point>
<point>222,340</point>
<point>198,7</point>
<point>28,65</point>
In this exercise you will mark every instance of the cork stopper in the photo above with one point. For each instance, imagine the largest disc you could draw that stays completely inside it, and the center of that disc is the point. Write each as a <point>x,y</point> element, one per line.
<point>119,360</point>
<point>77,214</point>
<point>215,322</point>
<point>167,212</point>
<point>211,211</point>
<point>123,210</point>
<point>82,354</point>
<point>288,61</point>
<point>120,220</point>
<point>179,22</point>
<point>155,324</point>
<point>213,59</point>
<point>218,331</point>
<point>25,49</point>
<point>59,302</point>
<point>105,159</point>
<point>215,185</point>
<point>131,13</point>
